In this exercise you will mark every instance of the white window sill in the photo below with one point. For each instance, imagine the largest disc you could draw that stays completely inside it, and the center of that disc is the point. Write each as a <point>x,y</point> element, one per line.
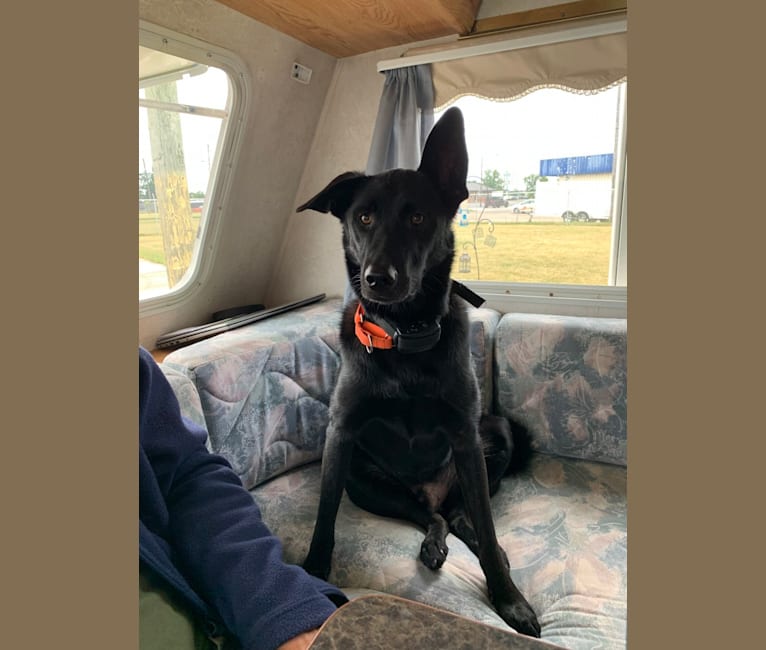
<point>566,300</point>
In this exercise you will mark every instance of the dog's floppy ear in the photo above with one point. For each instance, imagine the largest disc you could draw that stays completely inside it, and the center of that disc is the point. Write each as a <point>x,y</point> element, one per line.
<point>445,158</point>
<point>337,196</point>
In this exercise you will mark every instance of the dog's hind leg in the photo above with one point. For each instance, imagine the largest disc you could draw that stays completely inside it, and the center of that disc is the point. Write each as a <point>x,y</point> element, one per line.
<point>497,443</point>
<point>461,527</point>
<point>369,488</point>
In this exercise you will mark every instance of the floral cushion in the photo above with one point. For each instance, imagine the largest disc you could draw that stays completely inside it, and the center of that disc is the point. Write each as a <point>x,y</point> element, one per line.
<point>562,523</point>
<point>483,322</point>
<point>264,389</point>
<point>188,397</point>
<point>565,378</point>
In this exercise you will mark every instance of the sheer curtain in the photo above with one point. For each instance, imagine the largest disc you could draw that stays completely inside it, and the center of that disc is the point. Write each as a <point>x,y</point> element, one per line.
<point>405,117</point>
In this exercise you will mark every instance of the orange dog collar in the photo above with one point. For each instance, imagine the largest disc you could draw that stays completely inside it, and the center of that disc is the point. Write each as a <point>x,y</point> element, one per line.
<point>417,337</point>
<point>369,334</point>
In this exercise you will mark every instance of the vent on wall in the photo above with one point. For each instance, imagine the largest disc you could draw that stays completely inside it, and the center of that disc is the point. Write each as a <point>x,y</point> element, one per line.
<point>301,73</point>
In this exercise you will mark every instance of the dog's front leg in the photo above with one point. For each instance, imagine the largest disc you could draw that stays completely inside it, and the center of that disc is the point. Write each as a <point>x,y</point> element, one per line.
<point>472,476</point>
<point>336,460</point>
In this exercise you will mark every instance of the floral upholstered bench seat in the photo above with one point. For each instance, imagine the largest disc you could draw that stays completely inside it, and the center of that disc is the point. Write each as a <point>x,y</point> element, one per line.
<point>262,392</point>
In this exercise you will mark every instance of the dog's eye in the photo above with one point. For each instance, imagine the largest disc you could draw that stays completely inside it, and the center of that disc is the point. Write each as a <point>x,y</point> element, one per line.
<point>416,219</point>
<point>365,219</point>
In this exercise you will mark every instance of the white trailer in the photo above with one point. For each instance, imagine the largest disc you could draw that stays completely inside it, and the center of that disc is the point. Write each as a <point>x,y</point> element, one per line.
<point>575,198</point>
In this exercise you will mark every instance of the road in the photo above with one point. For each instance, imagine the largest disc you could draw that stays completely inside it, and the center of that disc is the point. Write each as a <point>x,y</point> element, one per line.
<point>152,279</point>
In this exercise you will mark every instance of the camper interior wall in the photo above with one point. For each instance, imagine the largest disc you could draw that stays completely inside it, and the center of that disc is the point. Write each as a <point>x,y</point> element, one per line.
<point>297,138</point>
<point>280,125</point>
<point>341,143</point>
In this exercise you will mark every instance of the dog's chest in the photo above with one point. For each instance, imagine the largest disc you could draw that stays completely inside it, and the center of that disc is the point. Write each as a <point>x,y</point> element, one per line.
<point>408,438</point>
<point>401,376</point>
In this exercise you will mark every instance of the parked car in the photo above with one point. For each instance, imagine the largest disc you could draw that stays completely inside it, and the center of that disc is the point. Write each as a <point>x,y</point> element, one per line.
<point>495,202</point>
<point>527,207</point>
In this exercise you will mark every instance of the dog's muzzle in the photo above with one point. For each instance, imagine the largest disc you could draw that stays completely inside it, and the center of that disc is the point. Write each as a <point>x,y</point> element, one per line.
<point>383,285</point>
<point>380,279</point>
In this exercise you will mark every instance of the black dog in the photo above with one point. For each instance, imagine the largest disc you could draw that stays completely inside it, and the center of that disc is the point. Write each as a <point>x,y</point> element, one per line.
<point>406,437</point>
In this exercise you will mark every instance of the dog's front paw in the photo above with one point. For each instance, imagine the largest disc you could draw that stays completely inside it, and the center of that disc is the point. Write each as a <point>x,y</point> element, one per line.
<point>316,567</point>
<point>520,616</point>
<point>433,552</point>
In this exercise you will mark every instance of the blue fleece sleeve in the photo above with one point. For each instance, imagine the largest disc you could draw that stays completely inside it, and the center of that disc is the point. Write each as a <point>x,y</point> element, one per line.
<point>223,547</point>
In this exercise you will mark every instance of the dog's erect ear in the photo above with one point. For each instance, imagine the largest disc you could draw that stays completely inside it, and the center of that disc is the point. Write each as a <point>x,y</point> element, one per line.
<point>445,158</point>
<point>337,196</point>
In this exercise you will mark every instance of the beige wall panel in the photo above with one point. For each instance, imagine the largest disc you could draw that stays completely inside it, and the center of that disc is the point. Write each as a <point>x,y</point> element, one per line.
<point>277,137</point>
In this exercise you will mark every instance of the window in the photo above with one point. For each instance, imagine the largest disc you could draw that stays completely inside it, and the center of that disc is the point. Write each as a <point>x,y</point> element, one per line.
<point>545,226</point>
<point>543,187</point>
<point>188,95</point>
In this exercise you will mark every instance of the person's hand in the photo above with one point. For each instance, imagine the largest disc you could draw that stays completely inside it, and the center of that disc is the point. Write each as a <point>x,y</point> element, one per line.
<point>300,642</point>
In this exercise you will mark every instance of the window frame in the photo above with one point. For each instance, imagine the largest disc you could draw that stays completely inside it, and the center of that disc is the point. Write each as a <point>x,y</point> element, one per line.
<point>221,173</point>
<point>609,300</point>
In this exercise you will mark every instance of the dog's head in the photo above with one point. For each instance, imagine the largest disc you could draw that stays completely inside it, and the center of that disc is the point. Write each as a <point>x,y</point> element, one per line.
<point>397,225</point>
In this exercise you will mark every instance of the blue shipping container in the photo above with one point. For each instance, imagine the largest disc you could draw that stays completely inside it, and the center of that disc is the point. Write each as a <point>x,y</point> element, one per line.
<point>577,165</point>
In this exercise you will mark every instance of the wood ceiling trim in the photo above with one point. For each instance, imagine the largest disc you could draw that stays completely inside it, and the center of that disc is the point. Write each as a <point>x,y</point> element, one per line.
<point>546,15</point>
<point>348,27</point>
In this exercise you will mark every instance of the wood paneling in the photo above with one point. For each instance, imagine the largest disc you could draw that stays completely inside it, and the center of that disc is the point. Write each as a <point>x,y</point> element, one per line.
<point>348,27</point>
<point>545,15</point>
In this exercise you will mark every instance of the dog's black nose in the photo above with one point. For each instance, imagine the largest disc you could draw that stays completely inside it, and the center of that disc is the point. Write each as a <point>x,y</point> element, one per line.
<point>377,278</point>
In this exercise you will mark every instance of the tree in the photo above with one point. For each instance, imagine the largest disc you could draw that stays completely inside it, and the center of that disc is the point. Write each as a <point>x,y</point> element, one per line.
<point>146,186</point>
<point>531,182</point>
<point>493,180</point>
<point>172,188</point>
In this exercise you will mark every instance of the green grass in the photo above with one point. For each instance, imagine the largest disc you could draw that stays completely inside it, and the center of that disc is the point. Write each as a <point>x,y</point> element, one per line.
<point>150,237</point>
<point>555,253</point>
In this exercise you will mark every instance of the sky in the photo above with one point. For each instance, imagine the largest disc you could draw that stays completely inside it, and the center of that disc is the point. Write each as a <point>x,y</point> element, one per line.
<point>513,137</point>
<point>200,133</point>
